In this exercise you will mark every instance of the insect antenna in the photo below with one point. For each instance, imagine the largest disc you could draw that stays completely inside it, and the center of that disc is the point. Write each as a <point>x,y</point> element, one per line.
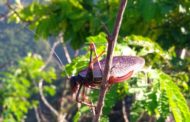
<point>61,64</point>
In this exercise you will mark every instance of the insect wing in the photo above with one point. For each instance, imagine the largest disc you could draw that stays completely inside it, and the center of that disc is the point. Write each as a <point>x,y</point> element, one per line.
<point>122,65</point>
<point>96,70</point>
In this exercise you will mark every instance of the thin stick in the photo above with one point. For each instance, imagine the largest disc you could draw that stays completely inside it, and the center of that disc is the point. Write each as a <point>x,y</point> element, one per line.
<point>124,111</point>
<point>37,114</point>
<point>67,55</point>
<point>50,55</point>
<point>54,111</point>
<point>40,84</point>
<point>76,53</point>
<point>112,39</point>
<point>14,11</point>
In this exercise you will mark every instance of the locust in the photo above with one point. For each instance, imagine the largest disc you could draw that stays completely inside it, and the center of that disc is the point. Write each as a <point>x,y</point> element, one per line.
<point>123,67</point>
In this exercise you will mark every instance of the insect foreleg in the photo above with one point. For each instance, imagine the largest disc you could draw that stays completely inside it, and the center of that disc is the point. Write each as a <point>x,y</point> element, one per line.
<point>82,101</point>
<point>86,100</point>
<point>78,93</point>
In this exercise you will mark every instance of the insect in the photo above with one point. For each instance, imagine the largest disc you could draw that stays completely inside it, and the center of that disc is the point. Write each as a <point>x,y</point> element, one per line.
<point>122,69</point>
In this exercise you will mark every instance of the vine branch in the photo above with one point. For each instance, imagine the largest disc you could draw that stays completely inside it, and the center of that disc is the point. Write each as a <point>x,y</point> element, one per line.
<point>112,40</point>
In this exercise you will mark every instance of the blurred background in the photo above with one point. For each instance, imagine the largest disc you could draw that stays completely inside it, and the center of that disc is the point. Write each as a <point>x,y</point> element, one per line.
<point>45,42</point>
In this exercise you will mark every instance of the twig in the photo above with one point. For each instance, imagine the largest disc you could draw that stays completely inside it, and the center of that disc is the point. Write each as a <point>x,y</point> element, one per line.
<point>40,84</point>
<point>14,11</point>
<point>124,111</point>
<point>60,36</point>
<point>60,117</point>
<point>50,55</point>
<point>105,28</point>
<point>43,117</point>
<point>4,16</point>
<point>76,53</point>
<point>37,114</point>
<point>66,53</point>
<point>44,100</point>
<point>183,53</point>
<point>112,39</point>
<point>140,117</point>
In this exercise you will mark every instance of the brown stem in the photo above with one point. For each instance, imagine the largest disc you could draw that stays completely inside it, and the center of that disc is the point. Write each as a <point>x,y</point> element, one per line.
<point>112,39</point>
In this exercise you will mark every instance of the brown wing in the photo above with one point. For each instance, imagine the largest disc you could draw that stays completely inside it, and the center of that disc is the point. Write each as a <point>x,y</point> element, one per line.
<point>121,65</point>
<point>124,64</point>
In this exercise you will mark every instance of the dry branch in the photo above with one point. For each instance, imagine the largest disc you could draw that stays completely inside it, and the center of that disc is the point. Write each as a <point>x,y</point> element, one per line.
<point>40,84</point>
<point>124,111</point>
<point>37,114</point>
<point>51,54</point>
<point>67,55</point>
<point>44,100</point>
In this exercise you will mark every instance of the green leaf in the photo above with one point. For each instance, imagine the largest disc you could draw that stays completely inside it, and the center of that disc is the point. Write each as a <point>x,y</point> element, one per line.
<point>81,110</point>
<point>99,39</point>
<point>177,102</point>
<point>50,90</point>
<point>148,9</point>
<point>18,87</point>
<point>104,119</point>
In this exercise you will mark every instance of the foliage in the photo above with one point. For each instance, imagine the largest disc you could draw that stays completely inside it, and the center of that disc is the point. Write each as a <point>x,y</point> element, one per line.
<point>158,98</point>
<point>176,100</point>
<point>163,21</point>
<point>71,17</point>
<point>158,29</point>
<point>81,62</point>
<point>155,97</point>
<point>19,87</point>
<point>163,96</point>
<point>79,19</point>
